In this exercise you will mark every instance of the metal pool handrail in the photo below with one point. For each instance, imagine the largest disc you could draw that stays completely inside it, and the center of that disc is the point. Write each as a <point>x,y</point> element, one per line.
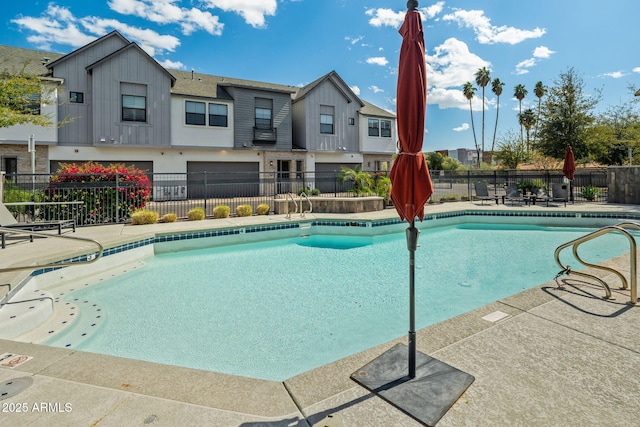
<point>302,213</point>
<point>632,259</point>
<point>295,209</point>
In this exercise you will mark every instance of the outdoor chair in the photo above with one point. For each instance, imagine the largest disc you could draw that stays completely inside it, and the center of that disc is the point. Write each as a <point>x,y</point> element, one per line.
<point>541,195</point>
<point>7,220</point>
<point>513,195</point>
<point>482,193</point>
<point>560,193</point>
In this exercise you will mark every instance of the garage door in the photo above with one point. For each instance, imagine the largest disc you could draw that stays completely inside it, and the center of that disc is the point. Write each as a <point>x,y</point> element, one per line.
<point>223,179</point>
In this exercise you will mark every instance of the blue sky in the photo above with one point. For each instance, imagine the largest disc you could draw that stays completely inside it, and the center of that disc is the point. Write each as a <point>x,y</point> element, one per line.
<point>296,41</point>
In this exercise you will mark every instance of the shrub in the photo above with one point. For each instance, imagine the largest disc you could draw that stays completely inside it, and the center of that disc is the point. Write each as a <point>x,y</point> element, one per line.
<point>244,210</point>
<point>221,211</point>
<point>107,192</point>
<point>13,194</point>
<point>590,192</point>
<point>170,217</point>
<point>315,192</point>
<point>195,214</point>
<point>144,216</point>
<point>263,209</point>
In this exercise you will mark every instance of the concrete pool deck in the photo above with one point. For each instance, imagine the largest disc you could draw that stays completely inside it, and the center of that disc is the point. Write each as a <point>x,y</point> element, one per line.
<point>561,356</point>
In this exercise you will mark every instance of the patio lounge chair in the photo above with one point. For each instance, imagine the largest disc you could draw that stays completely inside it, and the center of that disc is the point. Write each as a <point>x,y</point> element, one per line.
<point>559,193</point>
<point>7,220</point>
<point>482,193</point>
<point>513,195</point>
<point>541,195</point>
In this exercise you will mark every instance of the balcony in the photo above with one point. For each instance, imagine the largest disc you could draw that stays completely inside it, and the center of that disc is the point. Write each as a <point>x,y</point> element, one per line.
<point>265,136</point>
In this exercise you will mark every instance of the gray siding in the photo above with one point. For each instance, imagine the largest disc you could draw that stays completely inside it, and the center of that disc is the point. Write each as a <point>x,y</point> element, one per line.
<point>76,79</point>
<point>244,116</point>
<point>131,73</point>
<point>299,124</point>
<point>330,93</point>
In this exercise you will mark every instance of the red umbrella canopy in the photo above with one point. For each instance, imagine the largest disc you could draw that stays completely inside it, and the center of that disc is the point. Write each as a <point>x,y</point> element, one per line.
<point>411,183</point>
<point>569,167</point>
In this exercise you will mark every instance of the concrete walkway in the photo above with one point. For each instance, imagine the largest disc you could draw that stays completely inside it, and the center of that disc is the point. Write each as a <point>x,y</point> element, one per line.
<point>558,356</point>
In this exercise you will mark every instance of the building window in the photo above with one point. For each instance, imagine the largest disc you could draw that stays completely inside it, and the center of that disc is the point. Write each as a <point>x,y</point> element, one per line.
<point>195,113</point>
<point>76,97</point>
<point>33,106</point>
<point>352,121</point>
<point>326,123</point>
<point>218,115</point>
<point>134,108</point>
<point>374,130</point>
<point>385,128</point>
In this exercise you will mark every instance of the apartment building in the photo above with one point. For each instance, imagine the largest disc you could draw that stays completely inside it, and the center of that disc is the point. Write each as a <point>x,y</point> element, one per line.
<point>124,107</point>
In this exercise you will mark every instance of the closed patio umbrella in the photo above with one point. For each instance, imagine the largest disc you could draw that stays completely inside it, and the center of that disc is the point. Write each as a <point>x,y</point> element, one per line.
<point>569,168</point>
<point>411,184</point>
<point>428,392</point>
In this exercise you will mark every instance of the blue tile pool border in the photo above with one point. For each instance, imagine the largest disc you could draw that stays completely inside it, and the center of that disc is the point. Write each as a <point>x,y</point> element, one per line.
<point>334,223</point>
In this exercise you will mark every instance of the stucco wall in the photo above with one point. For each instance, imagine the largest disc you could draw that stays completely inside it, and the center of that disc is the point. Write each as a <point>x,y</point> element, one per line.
<point>624,184</point>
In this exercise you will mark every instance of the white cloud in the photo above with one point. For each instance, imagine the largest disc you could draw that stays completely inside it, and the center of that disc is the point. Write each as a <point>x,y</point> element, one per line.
<point>378,60</point>
<point>375,89</point>
<point>56,26</point>
<point>253,11</point>
<point>149,40</point>
<point>390,18</point>
<point>432,11</point>
<point>173,65</point>
<point>461,128</point>
<point>354,40</point>
<point>355,89</point>
<point>385,17</point>
<point>636,70</point>
<point>486,33</point>
<point>451,66</point>
<point>614,74</point>
<point>166,12</point>
<point>542,52</point>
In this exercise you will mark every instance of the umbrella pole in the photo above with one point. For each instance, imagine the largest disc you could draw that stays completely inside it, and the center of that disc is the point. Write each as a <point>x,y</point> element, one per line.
<point>412,245</point>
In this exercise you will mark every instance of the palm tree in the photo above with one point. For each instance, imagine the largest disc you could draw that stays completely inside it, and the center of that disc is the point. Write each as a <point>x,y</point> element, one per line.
<point>528,120</point>
<point>469,91</point>
<point>520,92</point>
<point>539,91</point>
<point>483,77</point>
<point>496,88</point>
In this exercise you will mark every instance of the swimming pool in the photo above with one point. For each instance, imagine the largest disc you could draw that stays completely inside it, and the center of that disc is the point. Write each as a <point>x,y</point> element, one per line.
<point>273,309</point>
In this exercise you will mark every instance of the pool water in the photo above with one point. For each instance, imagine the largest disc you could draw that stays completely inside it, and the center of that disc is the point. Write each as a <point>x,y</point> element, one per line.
<point>275,309</point>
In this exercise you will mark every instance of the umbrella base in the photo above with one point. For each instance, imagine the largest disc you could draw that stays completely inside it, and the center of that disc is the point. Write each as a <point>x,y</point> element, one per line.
<point>427,397</point>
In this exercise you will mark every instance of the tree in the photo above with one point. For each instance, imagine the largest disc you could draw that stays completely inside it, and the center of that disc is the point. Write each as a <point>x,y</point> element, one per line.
<point>434,160</point>
<point>528,120</point>
<point>20,96</point>
<point>483,77</point>
<point>615,132</point>
<point>539,91</point>
<point>496,88</point>
<point>567,114</point>
<point>511,151</point>
<point>469,91</point>
<point>519,92</point>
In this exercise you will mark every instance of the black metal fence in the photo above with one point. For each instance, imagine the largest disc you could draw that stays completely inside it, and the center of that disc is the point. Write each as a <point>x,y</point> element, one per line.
<point>94,199</point>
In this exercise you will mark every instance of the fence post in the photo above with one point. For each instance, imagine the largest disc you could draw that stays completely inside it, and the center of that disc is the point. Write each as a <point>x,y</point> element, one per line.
<point>205,192</point>
<point>2,186</point>
<point>117,199</point>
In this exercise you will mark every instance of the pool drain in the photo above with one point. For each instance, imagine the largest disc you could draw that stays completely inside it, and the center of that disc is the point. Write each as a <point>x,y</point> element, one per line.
<point>15,386</point>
